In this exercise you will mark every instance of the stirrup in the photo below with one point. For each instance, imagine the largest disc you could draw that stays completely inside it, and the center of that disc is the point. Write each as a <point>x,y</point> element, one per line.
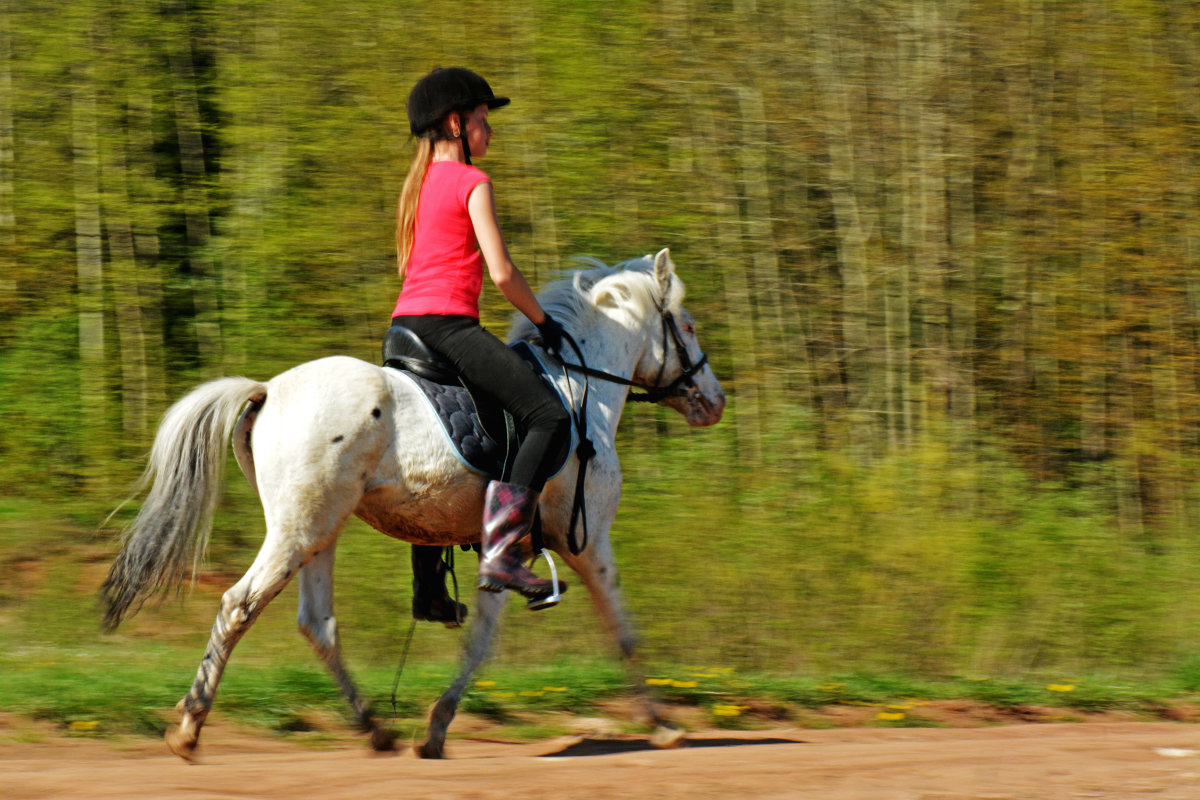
<point>549,600</point>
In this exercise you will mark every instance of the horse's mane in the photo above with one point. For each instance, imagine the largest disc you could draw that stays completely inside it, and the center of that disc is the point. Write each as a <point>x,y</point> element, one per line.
<point>572,299</point>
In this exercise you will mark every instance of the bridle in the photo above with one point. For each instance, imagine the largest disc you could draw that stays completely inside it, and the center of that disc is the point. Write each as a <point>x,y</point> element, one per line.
<point>655,392</point>
<point>652,393</point>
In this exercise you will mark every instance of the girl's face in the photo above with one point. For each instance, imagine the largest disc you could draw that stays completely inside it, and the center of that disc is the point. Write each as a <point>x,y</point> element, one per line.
<point>479,132</point>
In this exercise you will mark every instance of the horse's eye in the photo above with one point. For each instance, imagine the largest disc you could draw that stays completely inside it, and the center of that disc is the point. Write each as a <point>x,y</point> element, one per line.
<point>689,327</point>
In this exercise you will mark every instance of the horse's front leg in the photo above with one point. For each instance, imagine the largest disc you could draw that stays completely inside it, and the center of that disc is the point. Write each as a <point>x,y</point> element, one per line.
<point>475,651</point>
<point>597,569</point>
<point>317,623</point>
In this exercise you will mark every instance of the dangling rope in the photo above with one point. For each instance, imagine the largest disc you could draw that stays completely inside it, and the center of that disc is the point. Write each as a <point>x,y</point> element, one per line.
<point>448,560</point>
<point>400,668</point>
<point>584,452</point>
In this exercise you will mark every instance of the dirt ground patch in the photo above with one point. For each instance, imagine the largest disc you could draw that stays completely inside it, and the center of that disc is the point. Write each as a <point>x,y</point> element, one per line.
<point>1010,762</point>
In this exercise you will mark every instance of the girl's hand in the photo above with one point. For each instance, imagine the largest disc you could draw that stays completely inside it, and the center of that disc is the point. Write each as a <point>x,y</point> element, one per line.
<point>551,333</point>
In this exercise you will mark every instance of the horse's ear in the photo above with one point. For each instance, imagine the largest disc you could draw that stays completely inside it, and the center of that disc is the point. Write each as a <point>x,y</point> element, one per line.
<point>664,268</point>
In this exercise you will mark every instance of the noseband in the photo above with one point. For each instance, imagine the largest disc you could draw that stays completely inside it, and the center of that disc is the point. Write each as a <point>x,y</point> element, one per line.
<point>659,392</point>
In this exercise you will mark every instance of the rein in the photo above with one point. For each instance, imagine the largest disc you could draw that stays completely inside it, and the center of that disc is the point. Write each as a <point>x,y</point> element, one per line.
<point>653,393</point>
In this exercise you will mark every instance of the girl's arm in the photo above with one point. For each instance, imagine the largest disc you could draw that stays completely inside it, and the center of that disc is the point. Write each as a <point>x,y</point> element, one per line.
<point>481,205</point>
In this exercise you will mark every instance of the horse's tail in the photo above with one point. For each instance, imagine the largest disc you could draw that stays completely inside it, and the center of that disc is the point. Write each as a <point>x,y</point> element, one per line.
<point>185,474</point>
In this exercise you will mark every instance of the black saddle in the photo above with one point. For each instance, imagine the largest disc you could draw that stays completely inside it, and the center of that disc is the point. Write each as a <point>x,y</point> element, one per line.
<point>403,349</point>
<point>484,435</point>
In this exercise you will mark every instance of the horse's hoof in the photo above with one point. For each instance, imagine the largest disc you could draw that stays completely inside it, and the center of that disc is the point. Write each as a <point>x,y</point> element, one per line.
<point>383,741</point>
<point>181,744</point>
<point>431,750</point>
<point>665,738</point>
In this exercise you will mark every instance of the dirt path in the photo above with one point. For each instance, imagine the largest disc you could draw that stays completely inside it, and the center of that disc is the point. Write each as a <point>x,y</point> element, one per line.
<point>1054,762</point>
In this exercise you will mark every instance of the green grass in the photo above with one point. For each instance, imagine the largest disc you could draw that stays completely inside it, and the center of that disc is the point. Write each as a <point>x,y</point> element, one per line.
<point>124,688</point>
<point>818,583</point>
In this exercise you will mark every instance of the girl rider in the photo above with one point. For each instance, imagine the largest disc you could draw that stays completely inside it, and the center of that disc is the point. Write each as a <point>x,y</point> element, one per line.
<point>446,217</point>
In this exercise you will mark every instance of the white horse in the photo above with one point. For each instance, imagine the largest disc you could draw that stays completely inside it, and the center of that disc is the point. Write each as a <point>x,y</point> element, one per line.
<point>338,436</point>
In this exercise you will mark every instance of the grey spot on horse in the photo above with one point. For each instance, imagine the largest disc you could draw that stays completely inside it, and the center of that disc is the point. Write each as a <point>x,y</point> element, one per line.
<point>337,439</point>
<point>376,413</point>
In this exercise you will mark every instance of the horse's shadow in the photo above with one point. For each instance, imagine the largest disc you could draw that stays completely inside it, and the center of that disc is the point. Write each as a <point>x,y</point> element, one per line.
<point>609,747</point>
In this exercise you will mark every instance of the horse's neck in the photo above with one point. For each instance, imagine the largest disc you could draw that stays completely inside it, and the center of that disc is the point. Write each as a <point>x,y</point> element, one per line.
<point>616,351</point>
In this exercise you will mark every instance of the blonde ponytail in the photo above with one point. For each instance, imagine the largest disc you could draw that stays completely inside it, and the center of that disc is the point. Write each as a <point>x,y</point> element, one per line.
<point>406,213</point>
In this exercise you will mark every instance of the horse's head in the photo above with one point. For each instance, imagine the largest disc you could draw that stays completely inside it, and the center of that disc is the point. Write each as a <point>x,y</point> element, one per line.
<point>643,299</point>
<point>672,359</point>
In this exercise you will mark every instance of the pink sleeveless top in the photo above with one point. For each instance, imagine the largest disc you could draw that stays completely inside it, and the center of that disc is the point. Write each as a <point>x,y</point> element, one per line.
<point>445,271</point>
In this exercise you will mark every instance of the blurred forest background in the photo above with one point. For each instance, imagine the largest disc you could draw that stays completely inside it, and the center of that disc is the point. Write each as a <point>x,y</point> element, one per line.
<point>945,258</point>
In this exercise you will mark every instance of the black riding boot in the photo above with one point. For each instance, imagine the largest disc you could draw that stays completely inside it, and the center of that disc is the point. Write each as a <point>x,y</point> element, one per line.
<point>431,601</point>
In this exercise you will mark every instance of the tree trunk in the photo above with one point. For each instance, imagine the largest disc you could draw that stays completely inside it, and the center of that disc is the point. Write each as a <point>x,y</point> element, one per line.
<point>89,264</point>
<point>1179,28</point>
<point>746,402</point>
<point>1017,242</point>
<point>930,237</point>
<point>960,192</point>
<point>853,232</point>
<point>8,218</point>
<point>257,146</point>
<point>123,277</point>
<point>769,294</point>
<point>1094,353</point>
<point>186,106</point>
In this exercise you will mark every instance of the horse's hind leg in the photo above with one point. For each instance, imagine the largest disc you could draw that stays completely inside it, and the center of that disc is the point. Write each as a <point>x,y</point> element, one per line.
<point>475,651</point>
<point>318,625</point>
<point>240,606</point>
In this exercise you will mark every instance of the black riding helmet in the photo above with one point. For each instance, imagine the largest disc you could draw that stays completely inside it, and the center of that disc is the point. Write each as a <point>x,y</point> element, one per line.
<point>445,91</point>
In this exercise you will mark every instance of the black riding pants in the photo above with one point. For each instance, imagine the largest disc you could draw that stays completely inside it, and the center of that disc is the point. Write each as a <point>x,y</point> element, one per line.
<point>490,368</point>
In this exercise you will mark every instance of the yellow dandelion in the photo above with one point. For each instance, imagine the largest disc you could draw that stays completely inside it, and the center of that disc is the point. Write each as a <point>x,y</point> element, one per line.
<point>532,694</point>
<point>1061,687</point>
<point>658,681</point>
<point>722,710</point>
<point>890,716</point>
<point>84,725</point>
<point>504,695</point>
<point>682,684</point>
<point>554,688</point>
<point>485,684</point>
